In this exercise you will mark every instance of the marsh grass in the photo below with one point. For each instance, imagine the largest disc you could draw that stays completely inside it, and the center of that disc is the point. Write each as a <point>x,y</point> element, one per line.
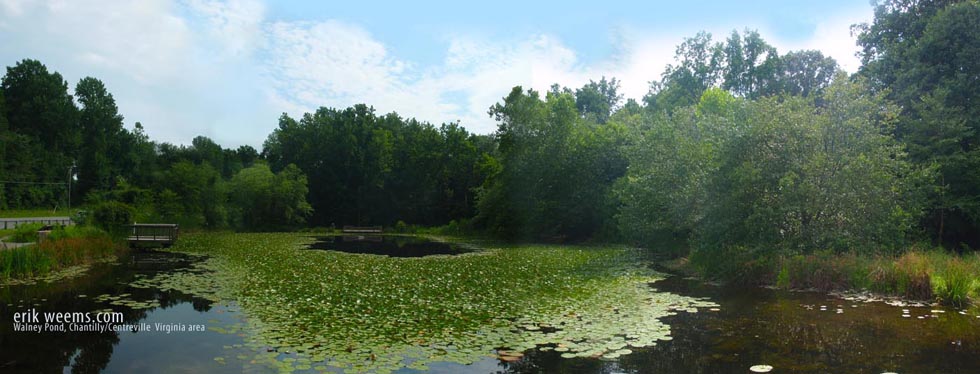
<point>64,248</point>
<point>920,274</point>
<point>954,283</point>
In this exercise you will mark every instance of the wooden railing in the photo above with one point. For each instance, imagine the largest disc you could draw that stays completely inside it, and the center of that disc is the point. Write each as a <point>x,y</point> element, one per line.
<point>164,234</point>
<point>362,230</point>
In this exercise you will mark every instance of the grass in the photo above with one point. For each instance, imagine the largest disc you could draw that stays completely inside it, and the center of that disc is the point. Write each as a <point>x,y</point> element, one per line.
<point>65,248</point>
<point>24,213</point>
<point>379,313</point>
<point>919,273</point>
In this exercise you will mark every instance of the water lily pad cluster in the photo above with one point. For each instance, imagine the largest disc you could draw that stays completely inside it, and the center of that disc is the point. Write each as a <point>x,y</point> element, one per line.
<point>310,309</point>
<point>125,300</point>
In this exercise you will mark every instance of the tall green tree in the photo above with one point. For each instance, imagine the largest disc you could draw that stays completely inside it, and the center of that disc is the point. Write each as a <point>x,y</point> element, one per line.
<point>556,169</point>
<point>262,200</point>
<point>101,132</point>
<point>806,73</point>
<point>663,194</point>
<point>698,67</point>
<point>801,178</point>
<point>369,169</point>
<point>598,99</point>
<point>751,66</point>
<point>926,56</point>
<point>43,118</point>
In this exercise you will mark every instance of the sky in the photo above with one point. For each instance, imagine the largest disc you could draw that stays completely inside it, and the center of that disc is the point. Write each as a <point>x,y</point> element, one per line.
<point>227,69</point>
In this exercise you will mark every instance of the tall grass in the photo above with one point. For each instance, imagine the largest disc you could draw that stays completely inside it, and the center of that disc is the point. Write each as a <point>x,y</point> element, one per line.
<point>24,261</point>
<point>64,248</point>
<point>919,273</point>
<point>954,283</point>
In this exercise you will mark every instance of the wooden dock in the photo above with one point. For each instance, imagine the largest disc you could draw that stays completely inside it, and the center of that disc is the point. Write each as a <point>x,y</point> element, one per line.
<point>362,229</point>
<point>153,234</point>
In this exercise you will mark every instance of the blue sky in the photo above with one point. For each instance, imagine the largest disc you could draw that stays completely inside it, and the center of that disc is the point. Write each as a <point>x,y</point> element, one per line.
<point>227,69</point>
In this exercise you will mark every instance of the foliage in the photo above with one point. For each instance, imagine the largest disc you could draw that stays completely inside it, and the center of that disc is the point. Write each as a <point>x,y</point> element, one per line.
<point>40,137</point>
<point>102,135</point>
<point>555,171</point>
<point>925,55</point>
<point>744,65</point>
<point>112,216</point>
<point>825,271</point>
<point>370,169</point>
<point>196,196</point>
<point>267,201</point>
<point>598,100</point>
<point>76,231</point>
<point>25,213</point>
<point>800,178</point>
<point>25,233</point>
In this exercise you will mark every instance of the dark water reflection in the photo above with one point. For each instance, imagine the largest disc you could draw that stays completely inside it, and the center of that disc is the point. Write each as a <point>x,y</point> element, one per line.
<point>759,326</point>
<point>387,245</point>
<point>84,352</point>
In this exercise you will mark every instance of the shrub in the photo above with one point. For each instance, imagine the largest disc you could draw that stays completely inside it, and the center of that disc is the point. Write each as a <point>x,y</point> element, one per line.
<point>782,279</point>
<point>63,232</point>
<point>26,233</point>
<point>111,216</point>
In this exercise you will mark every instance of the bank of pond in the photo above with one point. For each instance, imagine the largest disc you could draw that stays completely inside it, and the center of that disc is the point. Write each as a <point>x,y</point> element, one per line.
<point>300,302</point>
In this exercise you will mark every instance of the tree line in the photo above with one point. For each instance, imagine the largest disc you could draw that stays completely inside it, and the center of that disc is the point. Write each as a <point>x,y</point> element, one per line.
<point>737,149</point>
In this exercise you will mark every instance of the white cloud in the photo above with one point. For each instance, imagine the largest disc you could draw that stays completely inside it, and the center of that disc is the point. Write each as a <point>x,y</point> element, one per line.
<point>833,37</point>
<point>336,64</point>
<point>223,69</point>
<point>173,66</point>
<point>234,26</point>
<point>95,34</point>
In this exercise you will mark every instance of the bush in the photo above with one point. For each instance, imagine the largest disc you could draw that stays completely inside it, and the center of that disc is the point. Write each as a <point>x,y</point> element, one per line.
<point>26,233</point>
<point>112,216</point>
<point>65,232</point>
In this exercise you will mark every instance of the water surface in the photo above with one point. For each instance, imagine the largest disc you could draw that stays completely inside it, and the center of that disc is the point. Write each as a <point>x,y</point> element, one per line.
<point>388,245</point>
<point>787,330</point>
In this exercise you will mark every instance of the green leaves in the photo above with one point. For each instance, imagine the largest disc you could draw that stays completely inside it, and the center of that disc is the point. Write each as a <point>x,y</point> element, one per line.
<point>262,200</point>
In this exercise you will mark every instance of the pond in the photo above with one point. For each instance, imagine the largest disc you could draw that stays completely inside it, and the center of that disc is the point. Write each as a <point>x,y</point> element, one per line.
<point>388,245</point>
<point>260,320</point>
